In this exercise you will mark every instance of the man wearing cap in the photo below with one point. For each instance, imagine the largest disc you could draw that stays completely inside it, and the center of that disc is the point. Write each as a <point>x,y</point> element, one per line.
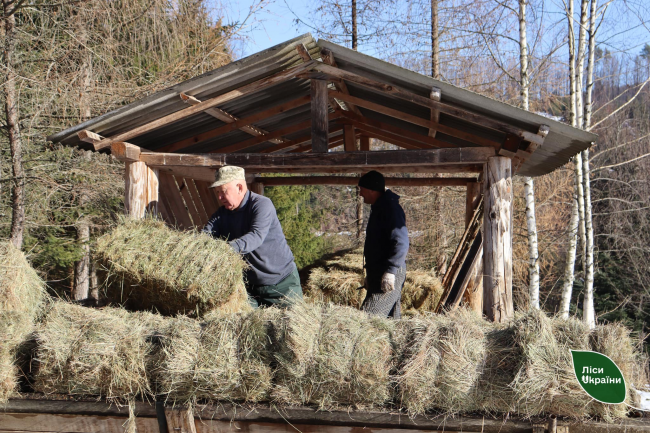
<point>250,224</point>
<point>385,249</point>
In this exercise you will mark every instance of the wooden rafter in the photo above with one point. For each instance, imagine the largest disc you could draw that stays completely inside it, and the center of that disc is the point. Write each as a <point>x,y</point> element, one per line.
<point>348,180</point>
<point>406,95</point>
<point>306,138</point>
<point>226,117</point>
<point>263,115</point>
<point>388,137</point>
<point>480,141</point>
<point>328,58</point>
<point>333,143</point>
<point>209,103</point>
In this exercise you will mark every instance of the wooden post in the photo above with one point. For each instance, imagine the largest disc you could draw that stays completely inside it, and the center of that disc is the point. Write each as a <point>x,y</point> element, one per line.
<point>364,143</point>
<point>349,140</point>
<point>497,242</point>
<point>180,420</point>
<point>257,188</point>
<point>140,189</point>
<point>319,116</point>
<point>474,290</point>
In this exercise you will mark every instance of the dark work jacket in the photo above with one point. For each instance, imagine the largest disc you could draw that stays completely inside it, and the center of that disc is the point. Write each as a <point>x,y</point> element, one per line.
<point>387,240</point>
<point>253,230</point>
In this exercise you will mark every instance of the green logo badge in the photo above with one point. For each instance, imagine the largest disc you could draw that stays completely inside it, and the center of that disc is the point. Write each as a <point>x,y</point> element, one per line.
<point>599,376</point>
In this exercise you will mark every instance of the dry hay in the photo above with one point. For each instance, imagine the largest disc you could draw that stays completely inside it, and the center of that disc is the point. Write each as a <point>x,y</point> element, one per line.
<point>338,279</point>
<point>150,265</point>
<point>441,366</point>
<point>225,358</point>
<point>332,357</point>
<point>84,351</point>
<point>22,298</point>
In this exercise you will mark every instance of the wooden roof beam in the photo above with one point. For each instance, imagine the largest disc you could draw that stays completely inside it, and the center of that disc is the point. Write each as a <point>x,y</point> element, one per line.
<point>209,103</point>
<point>262,115</point>
<point>348,180</point>
<point>333,143</point>
<point>388,137</point>
<point>406,95</point>
<point>321,161</point>
<point>298,141</point>
<point>328,58</point>
<point>226,117</point>
<point>475,139</point>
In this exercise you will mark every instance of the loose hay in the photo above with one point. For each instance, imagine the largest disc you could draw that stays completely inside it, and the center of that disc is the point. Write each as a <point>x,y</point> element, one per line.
<point>442,364</point>
<point>332,357</point>
<point>225,358</point>
<point>83,351</point>
<point>22,297</point>
<point>153,266</point>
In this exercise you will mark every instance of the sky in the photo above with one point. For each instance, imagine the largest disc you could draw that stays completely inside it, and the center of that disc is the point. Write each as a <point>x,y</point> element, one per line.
<point>275,22</point>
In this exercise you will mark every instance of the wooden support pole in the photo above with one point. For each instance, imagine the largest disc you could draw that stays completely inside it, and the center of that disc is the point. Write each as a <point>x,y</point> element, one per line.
<point>140,189</point>
<point>497,245</point>
<point>319,116</point>
<point>151,197</point>
<point>257,188</point>
<point>349,143</point>
<point>473,197</point>
<point>180,420</point>
<point>364,142</point>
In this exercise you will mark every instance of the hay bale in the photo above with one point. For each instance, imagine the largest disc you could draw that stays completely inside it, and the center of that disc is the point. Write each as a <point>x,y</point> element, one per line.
<point>332,357</point>
<point>545,382</point>
<point>150,265</point>
<point>442,364</point>
<point>614,341</point>
<point>336,286</point>
<point>22,298</point>
<point>84,351</point>
<point>225,358</point>
<point>422,291</point>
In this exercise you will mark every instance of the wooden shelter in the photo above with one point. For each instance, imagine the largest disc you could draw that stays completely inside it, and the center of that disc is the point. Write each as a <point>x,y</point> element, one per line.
<point>310,107</point>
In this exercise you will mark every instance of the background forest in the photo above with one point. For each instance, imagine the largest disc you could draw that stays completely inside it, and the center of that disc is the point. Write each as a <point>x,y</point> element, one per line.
<point>66,62</point>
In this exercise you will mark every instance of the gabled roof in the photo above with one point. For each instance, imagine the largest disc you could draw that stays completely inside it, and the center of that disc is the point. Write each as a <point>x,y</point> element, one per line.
<point>378,98</point>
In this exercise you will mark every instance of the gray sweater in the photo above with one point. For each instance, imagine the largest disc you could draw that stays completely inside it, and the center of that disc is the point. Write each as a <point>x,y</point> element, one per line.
<point>253,230</point>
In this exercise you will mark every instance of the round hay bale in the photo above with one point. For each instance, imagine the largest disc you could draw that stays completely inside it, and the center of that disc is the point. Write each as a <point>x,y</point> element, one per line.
<point>225,358</point>
<point>332,357</point>
<point>150,266</point>
<point>84,351</point>
<point>443,363</point>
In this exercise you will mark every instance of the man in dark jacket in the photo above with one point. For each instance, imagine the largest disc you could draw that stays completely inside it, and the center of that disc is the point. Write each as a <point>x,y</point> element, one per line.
<point>387,244</point>
<point>250,224</point>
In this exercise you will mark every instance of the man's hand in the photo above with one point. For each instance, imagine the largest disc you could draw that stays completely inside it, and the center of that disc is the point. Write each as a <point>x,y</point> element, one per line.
<point>387,282</point>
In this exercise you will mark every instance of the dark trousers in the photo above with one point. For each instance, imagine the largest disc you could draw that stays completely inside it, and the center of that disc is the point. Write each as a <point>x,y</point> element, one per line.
<point>283,294</point>
<point>384,304</point>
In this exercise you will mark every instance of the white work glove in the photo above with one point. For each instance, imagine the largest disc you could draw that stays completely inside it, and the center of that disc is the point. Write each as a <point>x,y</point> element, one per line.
<point>387,282</point>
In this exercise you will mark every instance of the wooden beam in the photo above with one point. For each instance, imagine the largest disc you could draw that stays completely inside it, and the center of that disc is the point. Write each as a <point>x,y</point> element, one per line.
<point>497,242</point>
<point>389,137</point>
<point>262,115</point>
<point>209,103</point>
<point>208,199</point>
<point>510,145</point>
<point>303,52</point>
<point>282,161</point>
<point>90,137</point>
<point>480,141</point>
<point>196,198</point>
<point>349,139</point>
<point>319,116</point>
<point>472,198</point>
<point>135,188</point>
<point>347,180</point>
<point>474,284</point>
<point>125,151</point>
<point>364,143</point>
<point>406,95</point>
<point>424,139</point>
<point>328,58</point>
<point>302,139</point>
<point>180,420</point>
<point>170,190</point>
<point>334,142</point>
<point>436,95</point>
<point>189,203</point>
<point>226,117</point>
<point>152,195</point>
<point>258,140</point>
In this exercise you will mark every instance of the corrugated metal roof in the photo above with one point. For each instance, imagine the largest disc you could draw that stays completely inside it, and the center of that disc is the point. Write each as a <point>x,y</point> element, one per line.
<point>562,142</point>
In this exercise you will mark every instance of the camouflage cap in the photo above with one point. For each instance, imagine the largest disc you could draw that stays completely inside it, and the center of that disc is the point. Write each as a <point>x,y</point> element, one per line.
<point>228,174</point>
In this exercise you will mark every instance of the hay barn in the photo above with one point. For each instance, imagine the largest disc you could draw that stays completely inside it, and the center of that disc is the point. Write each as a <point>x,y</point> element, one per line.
<point>309,108</point>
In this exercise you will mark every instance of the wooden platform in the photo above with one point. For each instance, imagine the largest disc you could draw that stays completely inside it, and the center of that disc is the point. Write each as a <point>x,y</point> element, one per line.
<point>44,416</point>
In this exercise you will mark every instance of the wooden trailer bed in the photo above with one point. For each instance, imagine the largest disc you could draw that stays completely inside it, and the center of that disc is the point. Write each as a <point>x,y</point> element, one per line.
<point>70,416</point>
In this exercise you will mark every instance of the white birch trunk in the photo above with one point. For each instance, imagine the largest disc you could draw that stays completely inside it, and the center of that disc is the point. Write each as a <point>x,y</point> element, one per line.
<point>567,285</point>
<point>589,314</point>
<point>529,189</point>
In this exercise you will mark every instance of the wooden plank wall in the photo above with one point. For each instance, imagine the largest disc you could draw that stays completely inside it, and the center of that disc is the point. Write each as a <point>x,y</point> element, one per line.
<point>187,203</point>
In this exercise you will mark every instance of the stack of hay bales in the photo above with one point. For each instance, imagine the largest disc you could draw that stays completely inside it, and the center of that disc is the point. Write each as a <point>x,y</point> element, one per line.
<point>338,278</point>
<point>225,358</point>
<point>86,351</point>
<point>332,357</point>
<point>22,298</point>
<point>150,266</point>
